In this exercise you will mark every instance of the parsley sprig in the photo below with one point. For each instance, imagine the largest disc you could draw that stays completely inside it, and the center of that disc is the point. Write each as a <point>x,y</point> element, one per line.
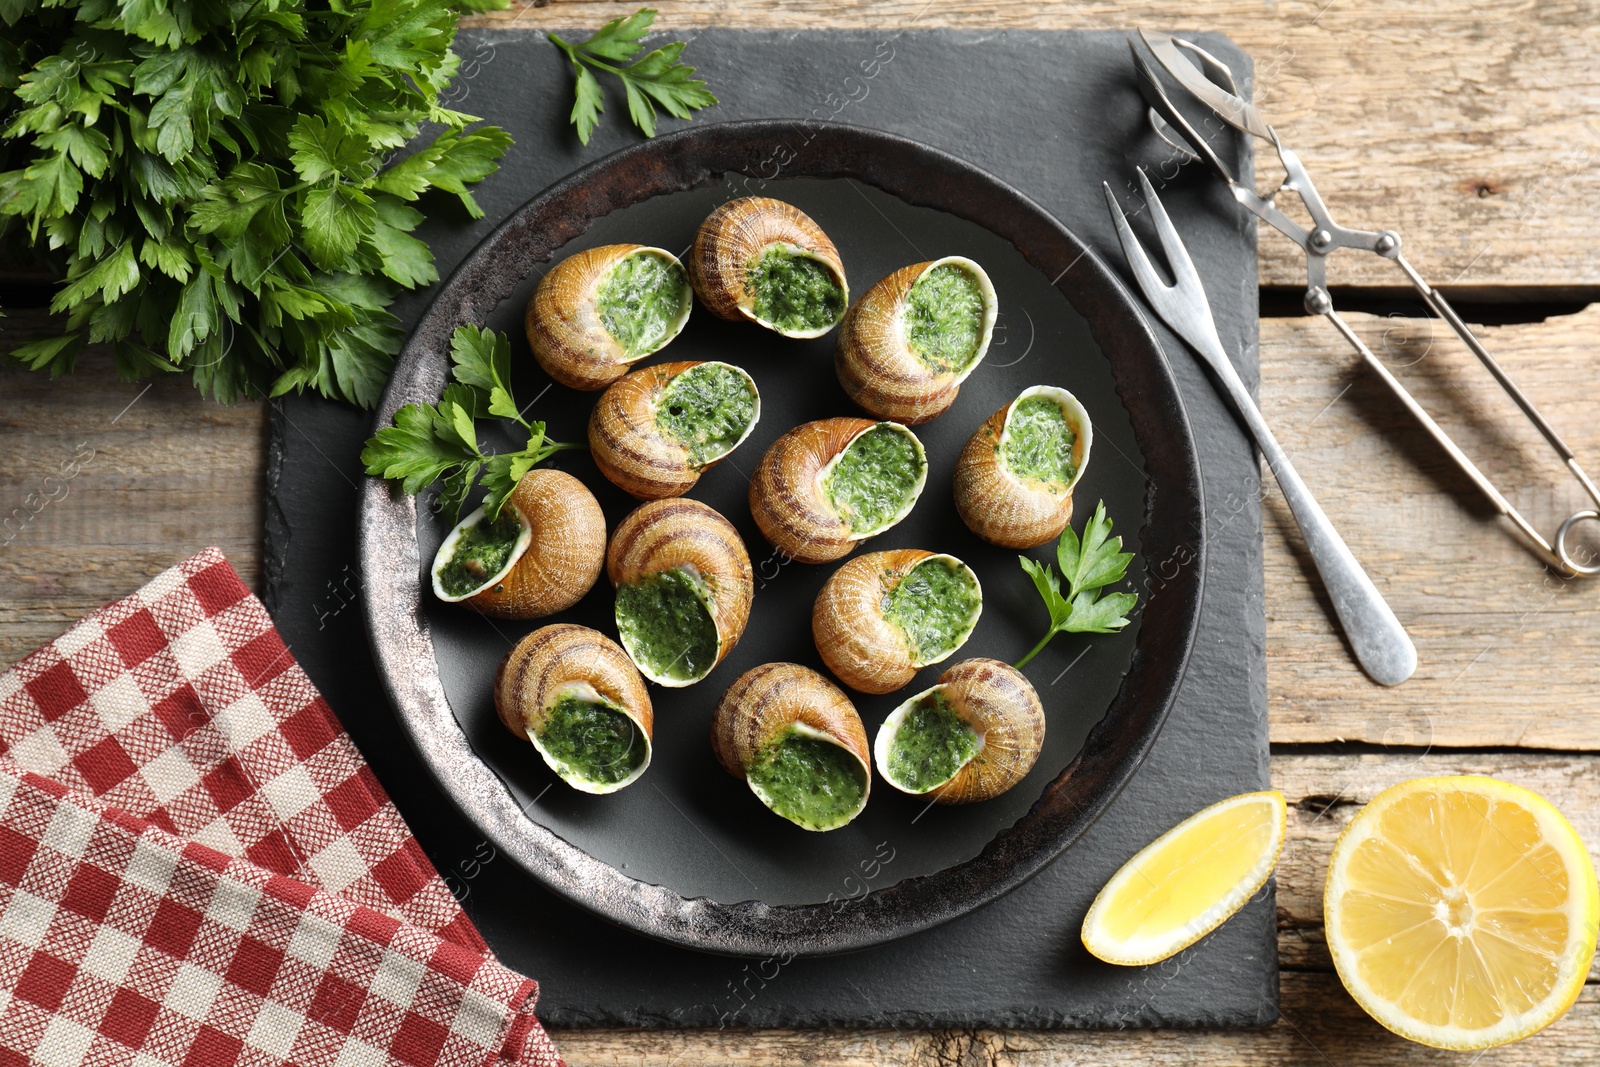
<point>439,442</point>
<point>213,180</point>
<point>654,78</point>
<point>1088,566</point>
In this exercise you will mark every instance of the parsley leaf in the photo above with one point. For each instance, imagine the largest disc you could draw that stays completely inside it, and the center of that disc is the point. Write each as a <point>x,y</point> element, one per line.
<point>482,361</point>
<point>656,78</point>
<point>215,181</point>
<point>412,453</point>
<point>439,442</point>
<point>1087,566</point>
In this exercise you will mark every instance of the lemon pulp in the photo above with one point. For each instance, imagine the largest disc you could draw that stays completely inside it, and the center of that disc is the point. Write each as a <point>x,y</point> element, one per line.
<point>1184,884</point>
<point>1461,912</point>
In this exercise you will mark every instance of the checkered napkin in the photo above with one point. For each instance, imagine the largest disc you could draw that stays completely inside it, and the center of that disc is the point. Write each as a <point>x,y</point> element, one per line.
<point>198,869</point>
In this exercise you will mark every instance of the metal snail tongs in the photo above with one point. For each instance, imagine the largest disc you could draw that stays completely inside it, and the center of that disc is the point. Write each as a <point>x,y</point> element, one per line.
<point>1209,81</point>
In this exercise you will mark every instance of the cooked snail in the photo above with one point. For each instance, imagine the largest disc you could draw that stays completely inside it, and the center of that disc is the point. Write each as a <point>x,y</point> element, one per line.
<point>599,310</point>
<point>1013,483</point>
<point>684,587</point>
<point>766,261</point>
<point>972,736</point>
<point>540,556</point>
<point>826,485</point>
<point>656,430</point>
<point>908,344</point>
<point>573,693</point>
<point>884,615</point>
<point>797,740</point>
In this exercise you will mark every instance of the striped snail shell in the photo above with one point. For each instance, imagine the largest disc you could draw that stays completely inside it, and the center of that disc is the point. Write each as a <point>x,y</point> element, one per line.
<point>573,693</point>
<point>602,309</point>
<point>656,430</point>
<point>796,739</point>
<point>883,616</point>
<point>760,260</point>
<point>684,588</point>
<point>801,496</point>
<point>554,560</point>
<point>971,737</point>
<point>908,344</point>
<point>1014,479</point>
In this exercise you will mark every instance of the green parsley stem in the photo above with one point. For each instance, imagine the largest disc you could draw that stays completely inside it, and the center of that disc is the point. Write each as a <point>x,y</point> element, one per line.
<point>1045,640</point>
<point>602,65</point>
<point>576,55</point>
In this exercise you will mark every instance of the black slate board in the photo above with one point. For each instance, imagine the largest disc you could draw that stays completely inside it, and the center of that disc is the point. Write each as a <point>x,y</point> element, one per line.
<point>1054,114</point>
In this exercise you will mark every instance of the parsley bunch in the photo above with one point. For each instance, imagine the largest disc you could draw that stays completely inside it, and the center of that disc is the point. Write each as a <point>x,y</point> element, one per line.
<point>1088,566</point>
<point>431,442</point>
<point>215,180</point>
<point>654,78</point>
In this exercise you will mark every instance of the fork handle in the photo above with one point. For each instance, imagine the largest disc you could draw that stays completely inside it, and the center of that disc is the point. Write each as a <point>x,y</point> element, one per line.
<point>1381,644</point>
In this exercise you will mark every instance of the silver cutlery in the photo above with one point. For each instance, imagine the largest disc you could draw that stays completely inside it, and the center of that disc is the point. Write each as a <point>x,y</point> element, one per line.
<point>1381,644</point>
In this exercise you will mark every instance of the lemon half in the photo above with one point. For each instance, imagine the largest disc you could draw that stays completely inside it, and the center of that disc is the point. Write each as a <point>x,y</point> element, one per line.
<point>1186,882</point>
<point>1461,912</point>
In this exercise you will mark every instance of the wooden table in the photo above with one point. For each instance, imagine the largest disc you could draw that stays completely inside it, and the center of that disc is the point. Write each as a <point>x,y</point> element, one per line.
<point>1474,129</point>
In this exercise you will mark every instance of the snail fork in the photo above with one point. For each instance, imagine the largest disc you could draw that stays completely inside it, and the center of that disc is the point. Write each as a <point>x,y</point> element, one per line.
<point>1380,643</point>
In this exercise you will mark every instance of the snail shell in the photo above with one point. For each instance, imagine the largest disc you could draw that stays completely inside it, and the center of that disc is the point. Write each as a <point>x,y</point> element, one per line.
<point>636,450</point>
<point>789,499</point>
<point>556,558</point>
<point>681,538</point>
<point>879,367</point>
<point>732,241</point>
<point>775,700</point>
<point>997,702</point>
<point>1010,509</point>
<point>859,642</point>
<point>564,660</point>
<point>565,326</point>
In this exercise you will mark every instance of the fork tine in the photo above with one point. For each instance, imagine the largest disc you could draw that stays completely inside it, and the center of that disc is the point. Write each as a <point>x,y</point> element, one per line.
<point>1145,274</point>
<point>1185,277</point>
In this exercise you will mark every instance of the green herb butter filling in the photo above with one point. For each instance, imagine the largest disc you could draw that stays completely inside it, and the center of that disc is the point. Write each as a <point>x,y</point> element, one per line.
<point>481,552</point>
<point>944,317</point>
<point>1039,442</point>
<point>936,605</point>
<point>875,478</point>
<point>641,301</point>
<point>593,740</point>
<point>931,745</point>
<point>708,409</point>
<point>809,781</point>
<point>793,291</point>
<point>666,626</point>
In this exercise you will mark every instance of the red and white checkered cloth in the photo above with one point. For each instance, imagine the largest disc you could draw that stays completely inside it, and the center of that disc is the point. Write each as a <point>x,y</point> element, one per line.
<point>198,869</point>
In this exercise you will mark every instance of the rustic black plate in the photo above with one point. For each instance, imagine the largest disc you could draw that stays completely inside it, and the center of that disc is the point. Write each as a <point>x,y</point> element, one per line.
<point>687,854</point>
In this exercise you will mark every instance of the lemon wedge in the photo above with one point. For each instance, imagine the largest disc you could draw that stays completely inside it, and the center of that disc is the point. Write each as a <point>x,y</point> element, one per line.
<point>1461,912</point>
<point>1186,882</point>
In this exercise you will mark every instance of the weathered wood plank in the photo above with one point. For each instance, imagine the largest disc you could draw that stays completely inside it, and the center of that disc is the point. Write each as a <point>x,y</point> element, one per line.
<point>1466,126</point>
<point>1321,1025</point>
<point>106,483</point>
<point>1506,647</point>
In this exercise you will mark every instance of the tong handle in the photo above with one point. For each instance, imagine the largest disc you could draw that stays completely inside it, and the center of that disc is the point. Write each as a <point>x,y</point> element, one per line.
<point>1558,556</point>
<point>1442,308</point>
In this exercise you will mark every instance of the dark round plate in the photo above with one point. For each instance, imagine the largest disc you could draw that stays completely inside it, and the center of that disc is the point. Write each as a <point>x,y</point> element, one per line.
<point>687,854</point>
